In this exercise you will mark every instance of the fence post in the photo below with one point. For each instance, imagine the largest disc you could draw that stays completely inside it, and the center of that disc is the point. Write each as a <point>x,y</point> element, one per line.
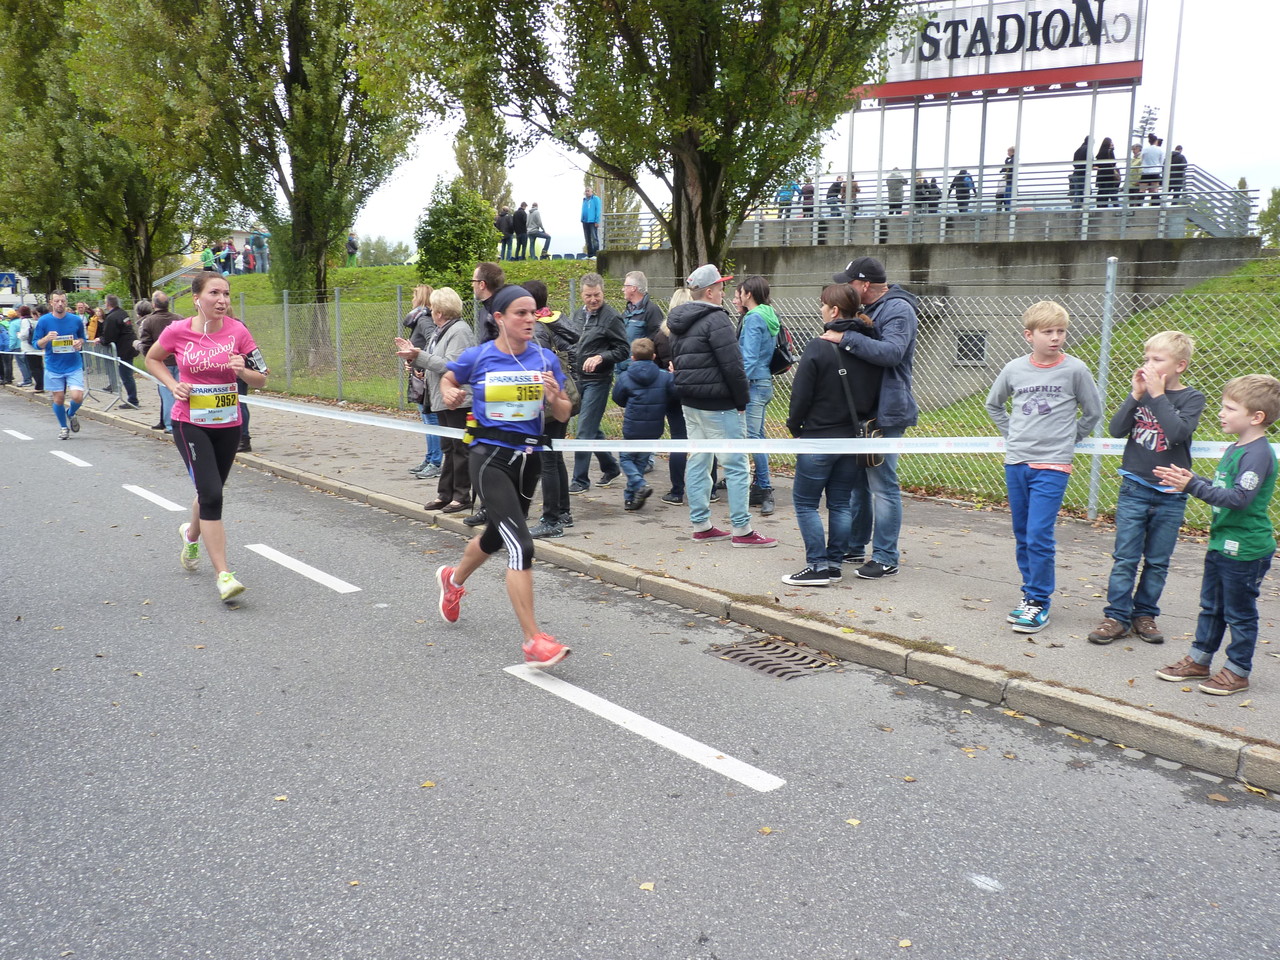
<point>395,333</point>
<point>288,354</point>
<point>1104,365</point>
<point>337,334</point>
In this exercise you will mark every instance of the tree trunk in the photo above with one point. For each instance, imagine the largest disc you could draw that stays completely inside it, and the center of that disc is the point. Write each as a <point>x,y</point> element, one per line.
<point>697,236</point>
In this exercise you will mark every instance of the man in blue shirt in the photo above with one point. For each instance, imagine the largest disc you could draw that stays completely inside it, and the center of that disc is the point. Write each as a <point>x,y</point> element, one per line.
<point>591,221</point>
<point>61,336</point>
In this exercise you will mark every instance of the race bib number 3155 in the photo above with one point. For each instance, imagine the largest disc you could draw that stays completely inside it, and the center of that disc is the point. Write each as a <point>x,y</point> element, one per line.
<point>513,395</point>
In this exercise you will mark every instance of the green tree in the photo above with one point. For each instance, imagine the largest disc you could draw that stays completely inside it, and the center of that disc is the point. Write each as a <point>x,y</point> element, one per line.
<point>481,151</point>
<point>380,252</point>
<point>1269,220</point>
<point>268,91</point>
<point>716,99</point>
<point>621,201</point>
<point>455,231</point>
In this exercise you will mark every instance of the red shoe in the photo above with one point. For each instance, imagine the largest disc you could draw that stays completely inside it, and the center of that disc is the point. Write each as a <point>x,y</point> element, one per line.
<point>450,596</point>
<point>543,651</point>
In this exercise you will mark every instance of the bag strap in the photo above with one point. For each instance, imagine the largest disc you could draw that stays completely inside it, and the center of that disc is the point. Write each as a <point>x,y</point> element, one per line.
<point>848,390</point>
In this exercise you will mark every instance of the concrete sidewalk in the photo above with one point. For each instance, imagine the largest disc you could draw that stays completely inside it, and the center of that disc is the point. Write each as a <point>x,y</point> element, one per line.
<point>940,620</point>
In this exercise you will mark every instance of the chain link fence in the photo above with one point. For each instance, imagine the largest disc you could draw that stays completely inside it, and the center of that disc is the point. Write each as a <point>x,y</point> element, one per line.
<point>345,352</point>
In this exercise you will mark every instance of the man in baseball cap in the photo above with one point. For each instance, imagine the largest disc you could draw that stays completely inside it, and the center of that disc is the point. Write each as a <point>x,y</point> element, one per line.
<point>864,268</point>
<point>705,276</point>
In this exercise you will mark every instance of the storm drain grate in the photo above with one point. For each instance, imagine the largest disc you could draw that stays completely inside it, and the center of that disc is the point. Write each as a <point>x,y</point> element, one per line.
<point>774,659</point>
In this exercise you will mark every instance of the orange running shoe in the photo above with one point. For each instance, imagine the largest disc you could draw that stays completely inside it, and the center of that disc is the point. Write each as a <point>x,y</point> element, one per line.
<point>450,596</point>
<point>543,651</point>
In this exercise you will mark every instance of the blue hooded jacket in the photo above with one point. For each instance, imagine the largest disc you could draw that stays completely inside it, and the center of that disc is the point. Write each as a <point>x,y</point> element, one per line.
<point>644,390</point>
<point>895,320</point>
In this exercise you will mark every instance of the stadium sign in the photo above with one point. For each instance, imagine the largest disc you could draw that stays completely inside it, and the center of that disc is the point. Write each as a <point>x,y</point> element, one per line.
<point>1045,44</point>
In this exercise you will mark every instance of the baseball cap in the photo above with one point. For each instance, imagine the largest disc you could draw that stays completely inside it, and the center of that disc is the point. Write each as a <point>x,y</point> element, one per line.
<point>864,268</point>
<point>705,276</point>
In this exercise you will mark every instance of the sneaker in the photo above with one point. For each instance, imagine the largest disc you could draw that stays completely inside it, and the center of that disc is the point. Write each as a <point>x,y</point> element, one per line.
<point>158,426</point>
<point>1017,611</point>
<point>74,422</point>
<point>477,518</point>
<point>629,503</point>
<point>1034,618</point>
<point>64,433</point>
<point>766,505</point>
<point>672,497</point>
<point>1224,683</point>
<point>858,558</point>
<point>1184,669</point>
<point>636,502</point>
<point>545,530</point>
<point>579,487</point>
<point>566,520</point>
<point>648,466</point>
<point>835,574</point>
<point>756,495</point>
<point>1109,629</point>
<point>543,651</point>
<point>714,533</point>
<point>228,586</point>
<point>420,467</point>
<point>1147,631</point>
<point>754,539</point>
<point>606,479</point>
<point>190,556</point>
<point>133,405</point>
<point>450,596</point>
<point>245,446</point>
<point>429,472</point>
<point>808,577</point>
<point>715,496</point>
<point>720,484</point>
<point>874,570</point>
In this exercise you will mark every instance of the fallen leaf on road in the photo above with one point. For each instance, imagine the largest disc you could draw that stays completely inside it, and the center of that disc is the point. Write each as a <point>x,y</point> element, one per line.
<point>353,883</point>
<point>915,683</point>
<point>280,799</point>
<point>887,729</point>
<point>1080,737</point>
<point>1008,713</point>
<point>1186,689</point>
<point>1258,790</point>
<point>854,823</point>
<point>428,784</point>
<point>766,830</point>
<point>647,887</point>
<point>1219,798</point>
<point>1010,756</point>
<point>904,943</point>
<point>909,779</point>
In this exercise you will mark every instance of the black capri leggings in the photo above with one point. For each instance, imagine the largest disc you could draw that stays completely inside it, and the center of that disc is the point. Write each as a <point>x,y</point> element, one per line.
<point>208,453</point>
<point>505,480</point>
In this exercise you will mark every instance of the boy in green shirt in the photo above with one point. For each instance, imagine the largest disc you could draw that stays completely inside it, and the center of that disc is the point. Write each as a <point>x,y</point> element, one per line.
<point>1241,540</point>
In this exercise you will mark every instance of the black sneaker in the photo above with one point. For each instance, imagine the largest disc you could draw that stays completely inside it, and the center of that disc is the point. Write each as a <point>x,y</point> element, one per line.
<point>579,487</point>
<point>874,570</point>
<point>808,577</point>
<point>476,519</point>
<point>245,446</point>
<point>835,574</point>
<point>546,531</point>
<point>755,496</point>
<point>672,497</point>
<point>858,558</point>
<point>566,520</point>
<point>606,479</point>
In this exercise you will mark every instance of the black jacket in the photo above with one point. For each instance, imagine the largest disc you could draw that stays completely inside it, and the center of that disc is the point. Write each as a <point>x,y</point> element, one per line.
<point>601,334</point>
<point>520,222</point>
<point>503,225</point>
<point>819,406</point>
<point>117,328</point>
<point>708,362</point>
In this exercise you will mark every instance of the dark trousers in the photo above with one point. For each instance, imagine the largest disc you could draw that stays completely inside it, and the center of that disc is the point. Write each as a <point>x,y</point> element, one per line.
<point>677,461</point>
<point>35,362</point>
<point>242,388</point>
<point>6,368</point>
<point>455,470</point>
<point>555,476</point>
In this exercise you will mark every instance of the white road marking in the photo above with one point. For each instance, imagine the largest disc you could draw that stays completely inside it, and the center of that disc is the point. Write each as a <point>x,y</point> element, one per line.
<point>297,566</point>
<point>16,435</point>
<point>709,757</point>
<point>155,498</point>
<point>76,461</point>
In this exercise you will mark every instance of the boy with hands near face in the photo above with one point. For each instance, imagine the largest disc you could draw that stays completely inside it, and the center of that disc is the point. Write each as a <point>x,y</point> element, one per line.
<point>1158,416</point>
<point>1241,540</point>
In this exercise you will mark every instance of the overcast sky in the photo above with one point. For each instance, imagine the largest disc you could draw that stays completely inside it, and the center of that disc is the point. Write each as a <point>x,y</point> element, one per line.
<point>1223,116</point>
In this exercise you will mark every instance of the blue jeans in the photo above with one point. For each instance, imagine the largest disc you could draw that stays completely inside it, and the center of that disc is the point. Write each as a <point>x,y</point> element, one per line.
<point>1147,523</point>
<point>633,463</point>
<point>591,234</point>
<point>504,251</point>
<point>886,505</point>
<point>717,425</point>
<point>1035,497</point>
<point>434,453</point>
<point>166,398</point>
<point>595,396</point>
<point>861,513</point>
<point>1229,598</point>
<point>833,474</point>
<point>761,394</point>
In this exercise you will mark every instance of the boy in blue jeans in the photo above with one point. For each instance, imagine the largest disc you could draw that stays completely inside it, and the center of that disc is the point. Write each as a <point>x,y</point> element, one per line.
<point>1158,416</point>
<point>1055,404</point>
<point>1241,540</point>
<point>643,391</point>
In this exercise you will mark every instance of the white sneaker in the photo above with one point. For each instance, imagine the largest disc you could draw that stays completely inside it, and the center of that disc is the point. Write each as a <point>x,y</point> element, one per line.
<point>228,586</point>
<point>64,433</point>
<point>190,556</point>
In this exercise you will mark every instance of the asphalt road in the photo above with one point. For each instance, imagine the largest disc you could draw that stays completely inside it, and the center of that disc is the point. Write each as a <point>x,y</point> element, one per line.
<point>315,773</point>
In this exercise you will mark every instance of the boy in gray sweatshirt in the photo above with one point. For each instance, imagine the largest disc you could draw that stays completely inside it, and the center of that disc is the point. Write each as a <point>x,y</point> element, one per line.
<point>1055,404</point>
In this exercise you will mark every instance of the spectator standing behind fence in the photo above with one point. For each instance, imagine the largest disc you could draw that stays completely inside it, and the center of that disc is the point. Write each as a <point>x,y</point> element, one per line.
<point>31,354</point>
<point>1079,174</point>
<point>807,194</point>
<point>591,211</point>
<point>420,327</point>
<point>890,345</point>
<point>786,195</point>
<point>117,331</point>
<point>896,187</point>
<point>1005,194</point>
<point>1107,177</point>
<point>602,344</point>
<point>1134,180</point>
<point>1177,173</point>
<point>962,189</point>
<point>150,330</point>
<point>712,385</point>
<point>520,227</point>
<point>504,223</point>
<point>446,337</point>
<point>836,197</point>
<point>1152,169</point>
<point>1055,405</point>
<point>536,233</point>
<point>832,393</point>
<point>353,250</point>
<point>1242,542</point>
<point>644,390</point>
<point>1158,416</point>
<point>8,342</point>
<point>678,460</point>
<point>757,335</point>
<point>555,332</point>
